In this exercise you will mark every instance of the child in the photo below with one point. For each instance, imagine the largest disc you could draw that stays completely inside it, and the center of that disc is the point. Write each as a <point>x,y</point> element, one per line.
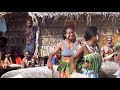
<point>26,60</point>
<point>8,59</point>
<point>86,71</point>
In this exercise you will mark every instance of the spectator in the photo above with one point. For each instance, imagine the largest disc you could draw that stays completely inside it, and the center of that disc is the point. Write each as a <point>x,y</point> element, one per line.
<point>107,49</point>
<point>26,60</point>
<point>30,35</point>
<point>16,58</point>
<point>8,60</point>
<point>56,58</point>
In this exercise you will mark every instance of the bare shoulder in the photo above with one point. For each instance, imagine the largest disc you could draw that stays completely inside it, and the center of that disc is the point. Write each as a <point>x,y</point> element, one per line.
<point>83,45</point>
<point>23,59</point>
<point>80,46</point>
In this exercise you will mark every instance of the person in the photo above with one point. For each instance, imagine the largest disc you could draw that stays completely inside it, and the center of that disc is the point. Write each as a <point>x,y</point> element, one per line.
<point>87,52</point>
<point>107,49</point>
<point>67,47</point>
<point>34,61</point>
<point>87,71</point>
<point>30,35</point>
<point>56,58</point>
<point>117,48</point>
<point>16,58</point>
<point>8,60</point>
<point>26,60</point>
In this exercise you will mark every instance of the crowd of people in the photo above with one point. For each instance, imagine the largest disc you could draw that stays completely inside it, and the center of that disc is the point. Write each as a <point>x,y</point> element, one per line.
<point>25,59</point>
<point>71,55</point>
<point>83,57</point>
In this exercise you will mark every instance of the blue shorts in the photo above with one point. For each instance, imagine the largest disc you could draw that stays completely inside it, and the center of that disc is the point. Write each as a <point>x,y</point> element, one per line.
<point>53,60</point>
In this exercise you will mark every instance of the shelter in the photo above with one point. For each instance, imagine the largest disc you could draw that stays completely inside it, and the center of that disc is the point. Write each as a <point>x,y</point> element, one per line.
<point>50,26</point>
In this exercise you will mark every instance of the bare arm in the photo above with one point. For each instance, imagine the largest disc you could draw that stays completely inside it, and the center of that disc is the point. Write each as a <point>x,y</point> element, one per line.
<point>58,47</point>
<point>23,64</point>
<point>11,62</point>
<point>78,53</point>
<point>102,52</point>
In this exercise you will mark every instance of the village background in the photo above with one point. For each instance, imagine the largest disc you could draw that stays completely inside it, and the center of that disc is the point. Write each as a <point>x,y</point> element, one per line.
<point>51,25</point>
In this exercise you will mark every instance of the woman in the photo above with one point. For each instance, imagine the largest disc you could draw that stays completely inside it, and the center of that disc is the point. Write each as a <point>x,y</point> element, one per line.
<point>88,51</point>
<point>16,58</point>
<point>67,46</point>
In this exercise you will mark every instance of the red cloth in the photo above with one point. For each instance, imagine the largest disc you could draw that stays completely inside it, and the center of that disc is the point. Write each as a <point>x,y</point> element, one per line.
<point>18,60</point>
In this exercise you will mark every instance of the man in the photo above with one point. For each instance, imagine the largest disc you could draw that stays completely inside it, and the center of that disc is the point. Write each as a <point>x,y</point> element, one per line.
<point>107,49</point>
<point>56,58</point>
<point>30,37</point>
<point>26,60</point>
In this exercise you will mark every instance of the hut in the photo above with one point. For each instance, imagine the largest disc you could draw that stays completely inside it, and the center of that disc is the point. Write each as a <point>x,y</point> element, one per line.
<point>15,24</point>
<point>50,25</point>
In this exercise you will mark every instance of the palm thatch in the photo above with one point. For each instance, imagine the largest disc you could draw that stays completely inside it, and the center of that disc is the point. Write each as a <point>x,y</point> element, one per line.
<point>57,14</point>
<point>76,15</point>
<point>4,13</point>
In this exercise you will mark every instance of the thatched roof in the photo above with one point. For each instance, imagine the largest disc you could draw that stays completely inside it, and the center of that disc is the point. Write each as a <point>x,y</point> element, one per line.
<point>57,14</point>
<point>67,14</point>
<point>4,13</point>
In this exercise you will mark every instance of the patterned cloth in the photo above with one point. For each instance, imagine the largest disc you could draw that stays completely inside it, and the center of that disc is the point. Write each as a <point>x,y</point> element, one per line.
<point>90,73</point>
<point>30,39</point>
<point>63,66</point>
<point>95,60</point>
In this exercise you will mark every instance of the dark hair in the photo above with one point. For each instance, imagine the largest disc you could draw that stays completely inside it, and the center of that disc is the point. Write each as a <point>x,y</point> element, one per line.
<point>8,52</point>
<point>0,34</point>
<point>118,29</point>
<point>90,32</point>
<point>29,19</point>
<point>3,41</point>
<point>65,29</point>
<point>14,50</point>
<point>68,24</point>
<point>46,58</point>
<point>24,51</point>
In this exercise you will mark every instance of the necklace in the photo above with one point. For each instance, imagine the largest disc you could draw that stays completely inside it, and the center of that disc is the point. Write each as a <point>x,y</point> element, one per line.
<point>92,49</point>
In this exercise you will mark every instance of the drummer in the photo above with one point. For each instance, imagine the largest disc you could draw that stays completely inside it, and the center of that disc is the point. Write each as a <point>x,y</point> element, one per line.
<point>107,49</point>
